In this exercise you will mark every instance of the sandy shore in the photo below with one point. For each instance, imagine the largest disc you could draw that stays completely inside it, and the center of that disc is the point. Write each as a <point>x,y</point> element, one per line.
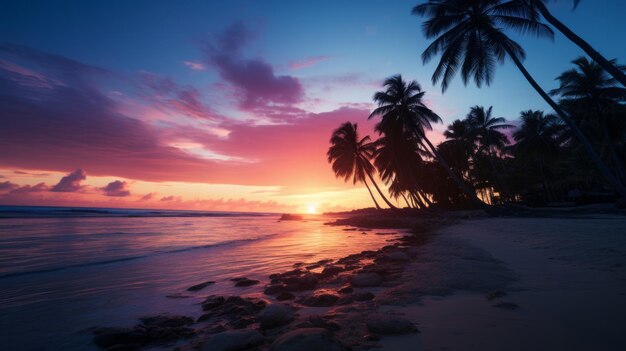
<point>564,280</point>
<point>460,281</point>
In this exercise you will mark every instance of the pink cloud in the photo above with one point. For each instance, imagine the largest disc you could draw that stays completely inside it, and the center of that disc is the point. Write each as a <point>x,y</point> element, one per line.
<point>148,197</point>
<point>254,79</point>
<point>170,198</point>
<point>71,182</point>
<point>311,61</point>
<point>195,66</point>
<point>116,188</point>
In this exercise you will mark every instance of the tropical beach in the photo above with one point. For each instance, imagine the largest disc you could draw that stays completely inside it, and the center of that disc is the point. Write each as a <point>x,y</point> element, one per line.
<point>273,176</point>
<point>554,279</point>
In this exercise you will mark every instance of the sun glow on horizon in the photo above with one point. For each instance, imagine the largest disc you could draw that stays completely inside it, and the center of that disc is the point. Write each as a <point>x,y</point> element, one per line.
<point>311,209</point>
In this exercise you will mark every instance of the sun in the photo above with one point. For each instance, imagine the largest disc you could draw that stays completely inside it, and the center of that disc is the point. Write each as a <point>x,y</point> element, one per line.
<point>311,209</point>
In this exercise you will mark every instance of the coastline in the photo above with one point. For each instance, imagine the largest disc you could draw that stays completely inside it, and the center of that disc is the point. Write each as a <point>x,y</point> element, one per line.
<point>451,278</point>
<point>327,294</point>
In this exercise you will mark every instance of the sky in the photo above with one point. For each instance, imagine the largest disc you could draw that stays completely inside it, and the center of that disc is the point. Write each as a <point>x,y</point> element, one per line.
<point>226,106</point>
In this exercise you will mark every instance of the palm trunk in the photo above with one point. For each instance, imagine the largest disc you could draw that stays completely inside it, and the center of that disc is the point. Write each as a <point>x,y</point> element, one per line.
<point>372,195</point>
<point>381,193</point>
<point>602,167</point>
<point>428,202</point>
<point>588,49</point>
<point>405,200</point>
<point>419,201</point>
<point>459,183</point>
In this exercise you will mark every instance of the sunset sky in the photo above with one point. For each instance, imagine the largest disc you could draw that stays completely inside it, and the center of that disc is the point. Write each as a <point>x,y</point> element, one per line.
<point>225,105</point>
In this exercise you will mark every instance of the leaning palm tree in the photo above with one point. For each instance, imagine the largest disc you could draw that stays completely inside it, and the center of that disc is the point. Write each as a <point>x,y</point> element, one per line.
<point>399,162</point>
<point>402,110</point>
<point>350,157</point>
<point>532,9</point>
<point>469,36</point>
<point>490,137</point>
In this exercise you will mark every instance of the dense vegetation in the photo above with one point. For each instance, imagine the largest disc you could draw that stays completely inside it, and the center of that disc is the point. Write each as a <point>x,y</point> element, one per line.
<point>576,152</point>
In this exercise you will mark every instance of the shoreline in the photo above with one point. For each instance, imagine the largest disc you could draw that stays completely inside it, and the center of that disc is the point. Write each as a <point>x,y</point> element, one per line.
<point>315,295</point>
<point>365,300</point>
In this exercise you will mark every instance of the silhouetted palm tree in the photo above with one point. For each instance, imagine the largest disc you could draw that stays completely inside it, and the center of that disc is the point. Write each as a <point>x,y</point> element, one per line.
<point>537,142</point>
<point>589,83</point>
<point>489,136</point>
<point>399,162</point>
<point>350,157</point>
<point>402,110</point>
<point>460,141</point>
<point>595,99</point>
<point>470,39</point>
<point>532,8</point>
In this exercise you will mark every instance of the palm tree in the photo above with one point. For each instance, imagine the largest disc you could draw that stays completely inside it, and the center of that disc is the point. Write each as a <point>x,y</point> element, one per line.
<point>350,157</point>
<point>589,84</point>
<point>489,136</point>
<point>402,110</point>
<point>595,97</point>
<point>398,161</point>
<point>460,141</point>
<point>537,141</point>
<point>470,39</point>
<point>532,8</point>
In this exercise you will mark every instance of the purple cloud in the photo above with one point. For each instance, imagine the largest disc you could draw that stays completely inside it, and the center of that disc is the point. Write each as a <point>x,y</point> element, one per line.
<point>254,79</point>
<point>71,182</point>
<point>38,188</point>
<point>116,188</point>
<point>8,186</point>
<point>168,95</point>
<point>70,121</point>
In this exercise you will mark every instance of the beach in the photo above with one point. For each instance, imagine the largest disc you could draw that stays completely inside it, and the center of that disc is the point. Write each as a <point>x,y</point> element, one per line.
<point>563,282</point>
<point>420,281</point>
<point>554,281</point>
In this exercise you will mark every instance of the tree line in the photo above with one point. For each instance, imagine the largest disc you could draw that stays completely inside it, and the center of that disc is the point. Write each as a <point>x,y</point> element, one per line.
<point>576,152</point>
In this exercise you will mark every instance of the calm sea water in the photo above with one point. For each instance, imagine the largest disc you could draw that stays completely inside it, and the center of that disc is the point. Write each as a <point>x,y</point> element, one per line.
<point>64,270</point>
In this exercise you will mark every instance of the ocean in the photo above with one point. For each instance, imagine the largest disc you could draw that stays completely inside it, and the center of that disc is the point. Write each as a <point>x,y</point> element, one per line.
<point>65,270</point>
